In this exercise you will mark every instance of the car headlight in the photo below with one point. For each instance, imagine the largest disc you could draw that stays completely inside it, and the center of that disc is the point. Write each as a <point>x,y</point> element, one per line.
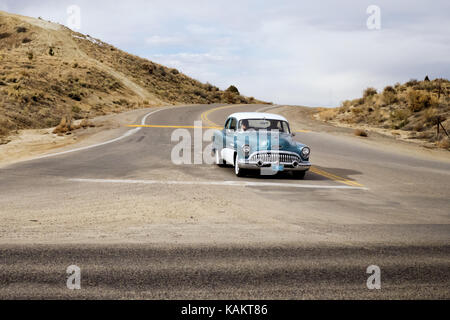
<point>246,148</point>
<point>305,152</point>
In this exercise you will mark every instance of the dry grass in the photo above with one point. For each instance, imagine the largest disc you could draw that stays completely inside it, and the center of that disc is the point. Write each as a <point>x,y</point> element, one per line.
<point>414,106</point>
<point>360,133</point>
<point>328,114</point>
<point>444,143</point>
<point>48,72</point>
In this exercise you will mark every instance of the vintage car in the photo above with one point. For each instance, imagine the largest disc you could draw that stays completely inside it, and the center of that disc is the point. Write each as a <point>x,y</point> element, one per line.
<point>260,141</point>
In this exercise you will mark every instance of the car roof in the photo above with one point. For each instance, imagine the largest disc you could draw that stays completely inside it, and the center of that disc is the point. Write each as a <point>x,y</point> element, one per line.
<point>256,115</point>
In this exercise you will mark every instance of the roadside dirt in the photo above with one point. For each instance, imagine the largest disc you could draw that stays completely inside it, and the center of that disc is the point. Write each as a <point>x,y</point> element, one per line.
<point>27,144</point>
<point>303,118</point>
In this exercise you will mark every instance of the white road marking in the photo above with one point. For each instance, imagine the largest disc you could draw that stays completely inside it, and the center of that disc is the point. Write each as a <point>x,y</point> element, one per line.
<point>218,183</point>
<point>126,134</point>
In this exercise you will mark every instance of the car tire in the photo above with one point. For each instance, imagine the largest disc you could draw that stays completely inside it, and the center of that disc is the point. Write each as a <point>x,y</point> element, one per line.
<point>238,171</point>
<point>299,174</point>
<point>218,159</point>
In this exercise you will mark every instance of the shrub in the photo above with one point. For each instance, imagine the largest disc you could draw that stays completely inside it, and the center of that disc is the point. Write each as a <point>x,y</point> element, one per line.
<point>389,89</point>
<point>233,89</point>
<point>369,92</point>
<point>51,51</point>
<point>444,143</point>
<point>411,83</point>
<point>209,87</point>
<point>26,40</point>
<point>76,109</point>
<point>400,115</point>
<point>328,114</point>
<point>4,35</point>
<point>21,29</point>
<point>389,96</point>
<point>75,96</point>
<point>63,126</point>
<point>229,97</point>
<point>418,100</point>
<point>360,133</point>
<point>30,55</point>
<point>431,115</point>
<point>86,123</point>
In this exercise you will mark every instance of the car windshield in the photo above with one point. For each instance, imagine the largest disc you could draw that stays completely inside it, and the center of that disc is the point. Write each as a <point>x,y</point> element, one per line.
<point>264,124</point>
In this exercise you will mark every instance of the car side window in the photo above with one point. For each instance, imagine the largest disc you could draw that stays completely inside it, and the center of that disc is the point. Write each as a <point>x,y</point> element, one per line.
<point>233,124</point>
<point>227,123</point>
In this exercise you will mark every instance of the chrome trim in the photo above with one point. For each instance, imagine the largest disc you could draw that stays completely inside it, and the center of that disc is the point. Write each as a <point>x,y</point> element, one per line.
<point>286,158</point>
<point>303,166</point>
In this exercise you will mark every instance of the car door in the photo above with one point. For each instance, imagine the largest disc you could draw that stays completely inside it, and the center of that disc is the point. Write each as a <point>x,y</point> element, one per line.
<point>229,147</point>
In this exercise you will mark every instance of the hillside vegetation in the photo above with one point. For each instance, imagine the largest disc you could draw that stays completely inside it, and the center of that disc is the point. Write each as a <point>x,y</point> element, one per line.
<point>49,72</point>
<point>411,110</point>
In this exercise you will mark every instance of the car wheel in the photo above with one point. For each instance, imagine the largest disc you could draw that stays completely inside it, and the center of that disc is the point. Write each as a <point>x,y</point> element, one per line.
<point>238,171</point>
<point>299,174</point>
<point>219,160</point>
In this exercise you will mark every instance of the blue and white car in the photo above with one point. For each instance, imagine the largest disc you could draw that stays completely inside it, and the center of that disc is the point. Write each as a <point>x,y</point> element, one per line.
<point>260,141</point>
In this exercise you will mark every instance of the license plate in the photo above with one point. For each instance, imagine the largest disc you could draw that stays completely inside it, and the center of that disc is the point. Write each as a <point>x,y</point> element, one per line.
<point>277,167</point>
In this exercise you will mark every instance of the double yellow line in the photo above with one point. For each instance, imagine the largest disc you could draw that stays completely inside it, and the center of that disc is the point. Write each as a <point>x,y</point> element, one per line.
<point>204,115</point>
<point>335,177</point>
<point>162,126</point>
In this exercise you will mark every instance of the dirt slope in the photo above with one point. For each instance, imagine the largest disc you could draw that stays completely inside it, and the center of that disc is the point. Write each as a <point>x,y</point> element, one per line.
<point>409,111</point>
<point>48,71</point>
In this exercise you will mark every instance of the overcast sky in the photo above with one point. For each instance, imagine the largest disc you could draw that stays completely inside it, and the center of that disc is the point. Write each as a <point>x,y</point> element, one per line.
<point>315,53</point>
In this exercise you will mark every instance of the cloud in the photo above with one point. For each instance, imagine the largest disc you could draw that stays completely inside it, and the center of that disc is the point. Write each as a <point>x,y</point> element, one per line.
<point>162,40</point>
<point>4,7</point>
<point>201,30</point>
<point>291,51</point>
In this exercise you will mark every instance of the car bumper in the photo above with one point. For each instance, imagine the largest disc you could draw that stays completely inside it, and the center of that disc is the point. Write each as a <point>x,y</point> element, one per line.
<point>301,166</point>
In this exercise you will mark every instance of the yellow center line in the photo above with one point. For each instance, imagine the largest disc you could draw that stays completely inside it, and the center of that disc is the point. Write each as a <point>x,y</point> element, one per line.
<point>204,115</point>
<point>304,131</point>
<point>213,125</point>
<point>335,177</point>
<point>169,126</point>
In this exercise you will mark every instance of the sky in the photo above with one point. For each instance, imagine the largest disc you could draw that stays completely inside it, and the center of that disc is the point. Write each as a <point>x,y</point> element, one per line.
<point>313,53</point>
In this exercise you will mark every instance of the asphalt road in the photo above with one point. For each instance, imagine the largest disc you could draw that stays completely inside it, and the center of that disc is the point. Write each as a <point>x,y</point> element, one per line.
<point>140,226</point>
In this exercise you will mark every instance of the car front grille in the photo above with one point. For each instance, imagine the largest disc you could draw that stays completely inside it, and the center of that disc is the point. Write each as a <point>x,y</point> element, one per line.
<point>275,157</point>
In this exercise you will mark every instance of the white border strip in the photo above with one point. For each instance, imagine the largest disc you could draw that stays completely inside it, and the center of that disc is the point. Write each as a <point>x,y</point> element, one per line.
<point>217,183</point>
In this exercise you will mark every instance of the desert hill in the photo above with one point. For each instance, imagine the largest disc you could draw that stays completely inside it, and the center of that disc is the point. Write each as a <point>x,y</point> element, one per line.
<point>48,72</point>
<point>410,110</point>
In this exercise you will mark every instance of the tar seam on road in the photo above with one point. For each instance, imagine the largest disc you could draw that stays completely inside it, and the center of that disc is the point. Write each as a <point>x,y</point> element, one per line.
<point>218,183</point>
